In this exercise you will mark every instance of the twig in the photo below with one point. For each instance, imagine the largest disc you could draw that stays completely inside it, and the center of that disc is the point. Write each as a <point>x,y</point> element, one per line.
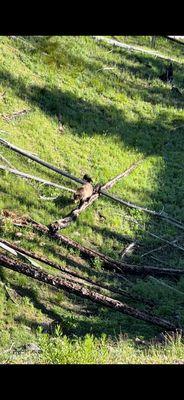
<point>2,94</point>
<point>159,248</point>
<point>48,198</point>
<point>159,260</point>
<point>7,351</point>
<point>104,68</point>
<point>61,128</point>
<point>27,176</point>
<point>83,292</point>
<point>176,127</point>
<point>7,293</point>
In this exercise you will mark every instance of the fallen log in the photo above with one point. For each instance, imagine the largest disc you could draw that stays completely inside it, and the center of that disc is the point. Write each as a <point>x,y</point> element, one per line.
<point>132,47</point>
<point>108,262</point>
<point>173,39</point>
<point>167,218</point>
<point>75,274</point>
<point>98,190</point>
<point>35,178</point>
<point>39,161</point>
<point>73,215</point>
<point>161,215</point>
<point>84,292</point>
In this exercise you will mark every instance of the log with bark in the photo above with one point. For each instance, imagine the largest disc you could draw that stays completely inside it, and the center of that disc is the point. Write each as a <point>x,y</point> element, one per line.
<point>73,215</point>
<point>84,292</point>
<point>72,275</point>
<point>107,262</point>
<point>98,190</point>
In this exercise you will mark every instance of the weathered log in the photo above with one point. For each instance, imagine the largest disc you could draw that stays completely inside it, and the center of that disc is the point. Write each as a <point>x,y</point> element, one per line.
<point>83,292</point>
<point>131,47</point>
<point>39,161</point>
<point>72,216</point>
<point>165,217</point>
<point>98,190</point>
<point>35,178</point>
<point>173,39</point>
<point>74,275</point>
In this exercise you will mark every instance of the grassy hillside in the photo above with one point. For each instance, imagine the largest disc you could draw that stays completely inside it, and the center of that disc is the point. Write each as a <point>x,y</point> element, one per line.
<point>115,111</point>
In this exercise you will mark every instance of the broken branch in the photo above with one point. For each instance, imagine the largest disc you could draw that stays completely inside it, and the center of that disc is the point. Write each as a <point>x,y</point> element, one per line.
<point>111,183</point>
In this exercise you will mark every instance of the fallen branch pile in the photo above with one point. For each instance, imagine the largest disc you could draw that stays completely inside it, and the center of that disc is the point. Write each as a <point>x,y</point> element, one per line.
<point>73,275</point>
<point>107,262</point>
<point>83,292</point>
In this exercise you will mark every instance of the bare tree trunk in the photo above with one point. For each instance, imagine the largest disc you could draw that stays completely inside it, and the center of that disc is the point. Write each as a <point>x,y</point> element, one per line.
<point>84,292</point>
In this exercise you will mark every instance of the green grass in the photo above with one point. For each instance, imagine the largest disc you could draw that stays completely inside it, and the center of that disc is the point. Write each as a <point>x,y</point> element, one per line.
<point>111,118</point>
